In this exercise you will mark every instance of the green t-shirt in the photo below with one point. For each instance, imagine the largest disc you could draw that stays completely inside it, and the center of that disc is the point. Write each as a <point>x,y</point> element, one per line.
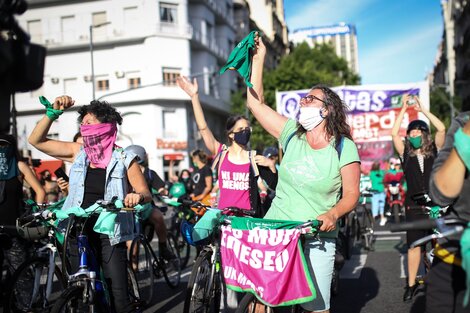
<point>377,179</point>
<point>309,180</point>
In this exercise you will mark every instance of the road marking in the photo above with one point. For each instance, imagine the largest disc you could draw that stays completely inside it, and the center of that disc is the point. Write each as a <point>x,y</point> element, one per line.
<point>353,267</point>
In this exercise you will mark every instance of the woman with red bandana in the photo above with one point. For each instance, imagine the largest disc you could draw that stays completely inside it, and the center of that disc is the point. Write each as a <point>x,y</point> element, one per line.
<point>100,170</point>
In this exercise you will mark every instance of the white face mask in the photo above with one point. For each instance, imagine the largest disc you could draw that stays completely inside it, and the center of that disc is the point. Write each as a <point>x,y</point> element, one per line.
<point>310,117</point>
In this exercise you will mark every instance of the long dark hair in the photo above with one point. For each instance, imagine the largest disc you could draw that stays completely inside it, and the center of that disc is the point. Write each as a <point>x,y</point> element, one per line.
<point>230,124</point>
<point>336,123</point>
<point>427,148</point>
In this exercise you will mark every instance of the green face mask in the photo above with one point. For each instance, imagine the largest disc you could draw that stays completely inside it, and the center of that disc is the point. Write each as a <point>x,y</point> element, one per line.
<point>416,142</point>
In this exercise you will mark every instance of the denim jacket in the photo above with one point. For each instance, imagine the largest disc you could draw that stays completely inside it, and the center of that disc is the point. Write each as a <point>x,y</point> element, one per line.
<point>116,185</point>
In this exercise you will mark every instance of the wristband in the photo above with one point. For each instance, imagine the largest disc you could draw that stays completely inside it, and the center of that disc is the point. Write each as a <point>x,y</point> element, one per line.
<point>462,146</point>
<point>51,113</point>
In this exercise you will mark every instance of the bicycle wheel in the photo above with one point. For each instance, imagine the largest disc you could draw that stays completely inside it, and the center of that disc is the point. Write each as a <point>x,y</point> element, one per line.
<point>203,290</point>
<point>29,291</point>
<point>141,261</point>
<point>367,229</point>
<point>171,269</point>
<point>134,293</point>
<point>73,300</point>
<point>184,249</point>
<point>250,304</point>
<point>396,213</point>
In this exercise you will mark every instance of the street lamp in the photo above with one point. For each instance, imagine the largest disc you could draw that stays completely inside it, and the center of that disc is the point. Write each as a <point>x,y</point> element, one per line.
<point>451,97</point>
<point>91,54</point>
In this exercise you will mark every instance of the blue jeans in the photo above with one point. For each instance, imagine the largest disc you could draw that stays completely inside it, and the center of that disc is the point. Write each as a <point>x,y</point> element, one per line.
<point>378,203</point>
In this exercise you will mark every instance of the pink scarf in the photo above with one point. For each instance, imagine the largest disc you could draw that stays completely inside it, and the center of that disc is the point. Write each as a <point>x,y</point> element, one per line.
<point>98,142</point>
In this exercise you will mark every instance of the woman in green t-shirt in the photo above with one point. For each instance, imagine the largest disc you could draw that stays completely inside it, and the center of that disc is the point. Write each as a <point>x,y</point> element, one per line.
<point>378,197</point>
<point>318,178</point>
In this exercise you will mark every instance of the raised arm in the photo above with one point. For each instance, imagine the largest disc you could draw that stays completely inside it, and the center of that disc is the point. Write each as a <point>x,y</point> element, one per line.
<point>440,136</point>
<point>32,180</point>
<point>62,150</point>
<point>192,90</point>
<point>397,141</point>
<point>271,121</point>
<point>449,169</point>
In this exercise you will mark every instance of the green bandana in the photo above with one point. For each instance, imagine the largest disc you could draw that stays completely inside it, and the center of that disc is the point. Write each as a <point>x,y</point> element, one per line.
<point>240,58</point>
<point>416,142</point>
<point>51,113</point>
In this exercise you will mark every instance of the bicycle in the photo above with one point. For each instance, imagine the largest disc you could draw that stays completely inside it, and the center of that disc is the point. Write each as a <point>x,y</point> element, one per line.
<point>148,266</point>
<point>250,302</point>
<point>442,227</point>
<point>86,291</point>
<point>204,289</point>
<point>360,226</point>
<point>38,281</point>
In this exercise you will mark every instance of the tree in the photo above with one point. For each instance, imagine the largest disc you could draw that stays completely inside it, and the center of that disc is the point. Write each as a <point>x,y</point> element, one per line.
<point>439,104</point>
<point>303,68</point>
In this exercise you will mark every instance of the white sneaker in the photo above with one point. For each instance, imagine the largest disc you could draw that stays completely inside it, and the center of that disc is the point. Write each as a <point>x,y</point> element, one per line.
<point>383,221</point>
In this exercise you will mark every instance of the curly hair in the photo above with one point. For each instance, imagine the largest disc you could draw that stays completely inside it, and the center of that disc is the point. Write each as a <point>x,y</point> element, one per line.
<point>336,123</point>
<point>427,148</point>
<point>230,124</point>
<point>103,111</point>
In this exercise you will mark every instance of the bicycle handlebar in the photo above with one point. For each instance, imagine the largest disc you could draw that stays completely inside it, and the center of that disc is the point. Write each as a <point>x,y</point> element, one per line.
<point>427,224</point>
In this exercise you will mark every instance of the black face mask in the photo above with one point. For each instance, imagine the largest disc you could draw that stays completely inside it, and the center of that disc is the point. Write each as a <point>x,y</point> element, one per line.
<point>242,137</point>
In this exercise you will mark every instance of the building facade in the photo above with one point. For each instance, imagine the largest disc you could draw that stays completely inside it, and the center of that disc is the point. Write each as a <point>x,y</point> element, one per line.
<point>342,37</point>
<point>452,65</point>
<point>267,17</point>
<point>133,50</point>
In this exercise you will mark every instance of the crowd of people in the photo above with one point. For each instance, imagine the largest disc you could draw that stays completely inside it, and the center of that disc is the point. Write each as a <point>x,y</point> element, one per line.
<point>319,141</point>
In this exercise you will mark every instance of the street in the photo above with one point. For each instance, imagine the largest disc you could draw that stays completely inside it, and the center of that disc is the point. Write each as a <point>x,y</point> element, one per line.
<point>370,282</point>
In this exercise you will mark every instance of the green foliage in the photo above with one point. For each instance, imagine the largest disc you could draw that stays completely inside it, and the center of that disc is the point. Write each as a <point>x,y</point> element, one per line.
<point>440,105</point>
<point>303,68</point>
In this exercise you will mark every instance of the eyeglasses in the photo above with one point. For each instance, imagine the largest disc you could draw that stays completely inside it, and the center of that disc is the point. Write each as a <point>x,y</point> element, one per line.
<point>309,98</point>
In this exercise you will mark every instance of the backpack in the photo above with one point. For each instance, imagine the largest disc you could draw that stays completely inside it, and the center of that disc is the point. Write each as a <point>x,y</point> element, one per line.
<point>220,157</point>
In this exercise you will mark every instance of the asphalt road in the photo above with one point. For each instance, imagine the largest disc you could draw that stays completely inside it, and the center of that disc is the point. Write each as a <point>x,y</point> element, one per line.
<point>371,281</point>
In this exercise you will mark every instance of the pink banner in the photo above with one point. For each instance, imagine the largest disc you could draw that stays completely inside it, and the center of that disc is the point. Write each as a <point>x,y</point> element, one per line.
<point>268,263</point>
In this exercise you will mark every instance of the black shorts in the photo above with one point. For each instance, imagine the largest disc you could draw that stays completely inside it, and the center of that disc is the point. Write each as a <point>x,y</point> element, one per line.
<point>445,288</point>
<point>415,214</point>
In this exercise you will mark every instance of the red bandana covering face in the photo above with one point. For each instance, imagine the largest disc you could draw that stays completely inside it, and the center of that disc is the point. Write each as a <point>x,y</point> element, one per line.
<point>98,142</point>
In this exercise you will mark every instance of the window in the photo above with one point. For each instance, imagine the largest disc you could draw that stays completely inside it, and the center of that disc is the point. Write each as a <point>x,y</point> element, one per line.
<point>98,19</point>
<point>70,86</point>
<point>133,82</point>
<point>170,75</point>
<point>102,84</point>
<point>68,28</point>
<point>168,13</point>
<point>35,30</point>
<point>169,120</point>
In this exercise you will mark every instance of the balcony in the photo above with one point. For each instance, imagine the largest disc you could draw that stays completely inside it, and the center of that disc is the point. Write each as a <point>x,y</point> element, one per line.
<point>76,40</point>
<point>222,15</point>
<point>200,41</point>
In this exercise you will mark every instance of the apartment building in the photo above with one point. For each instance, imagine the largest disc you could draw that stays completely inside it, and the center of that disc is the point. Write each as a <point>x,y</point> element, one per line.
<point>342,37</point>
<point>129,53</point>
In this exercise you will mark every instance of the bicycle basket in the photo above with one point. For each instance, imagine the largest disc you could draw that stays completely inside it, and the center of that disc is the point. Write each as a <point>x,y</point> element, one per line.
<point>32,231</point>
<point>187,232</point>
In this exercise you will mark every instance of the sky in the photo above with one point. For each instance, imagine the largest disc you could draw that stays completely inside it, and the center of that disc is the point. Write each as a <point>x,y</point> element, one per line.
<point>397,39</point>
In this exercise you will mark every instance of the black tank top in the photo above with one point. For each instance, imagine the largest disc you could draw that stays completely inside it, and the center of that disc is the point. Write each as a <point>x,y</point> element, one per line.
<point>94,186</point>
<point>417,181</point>
<point>12,205</point>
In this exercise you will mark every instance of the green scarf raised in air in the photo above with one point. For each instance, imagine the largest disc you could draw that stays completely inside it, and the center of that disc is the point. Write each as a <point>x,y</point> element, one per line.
<point>240,58</point>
